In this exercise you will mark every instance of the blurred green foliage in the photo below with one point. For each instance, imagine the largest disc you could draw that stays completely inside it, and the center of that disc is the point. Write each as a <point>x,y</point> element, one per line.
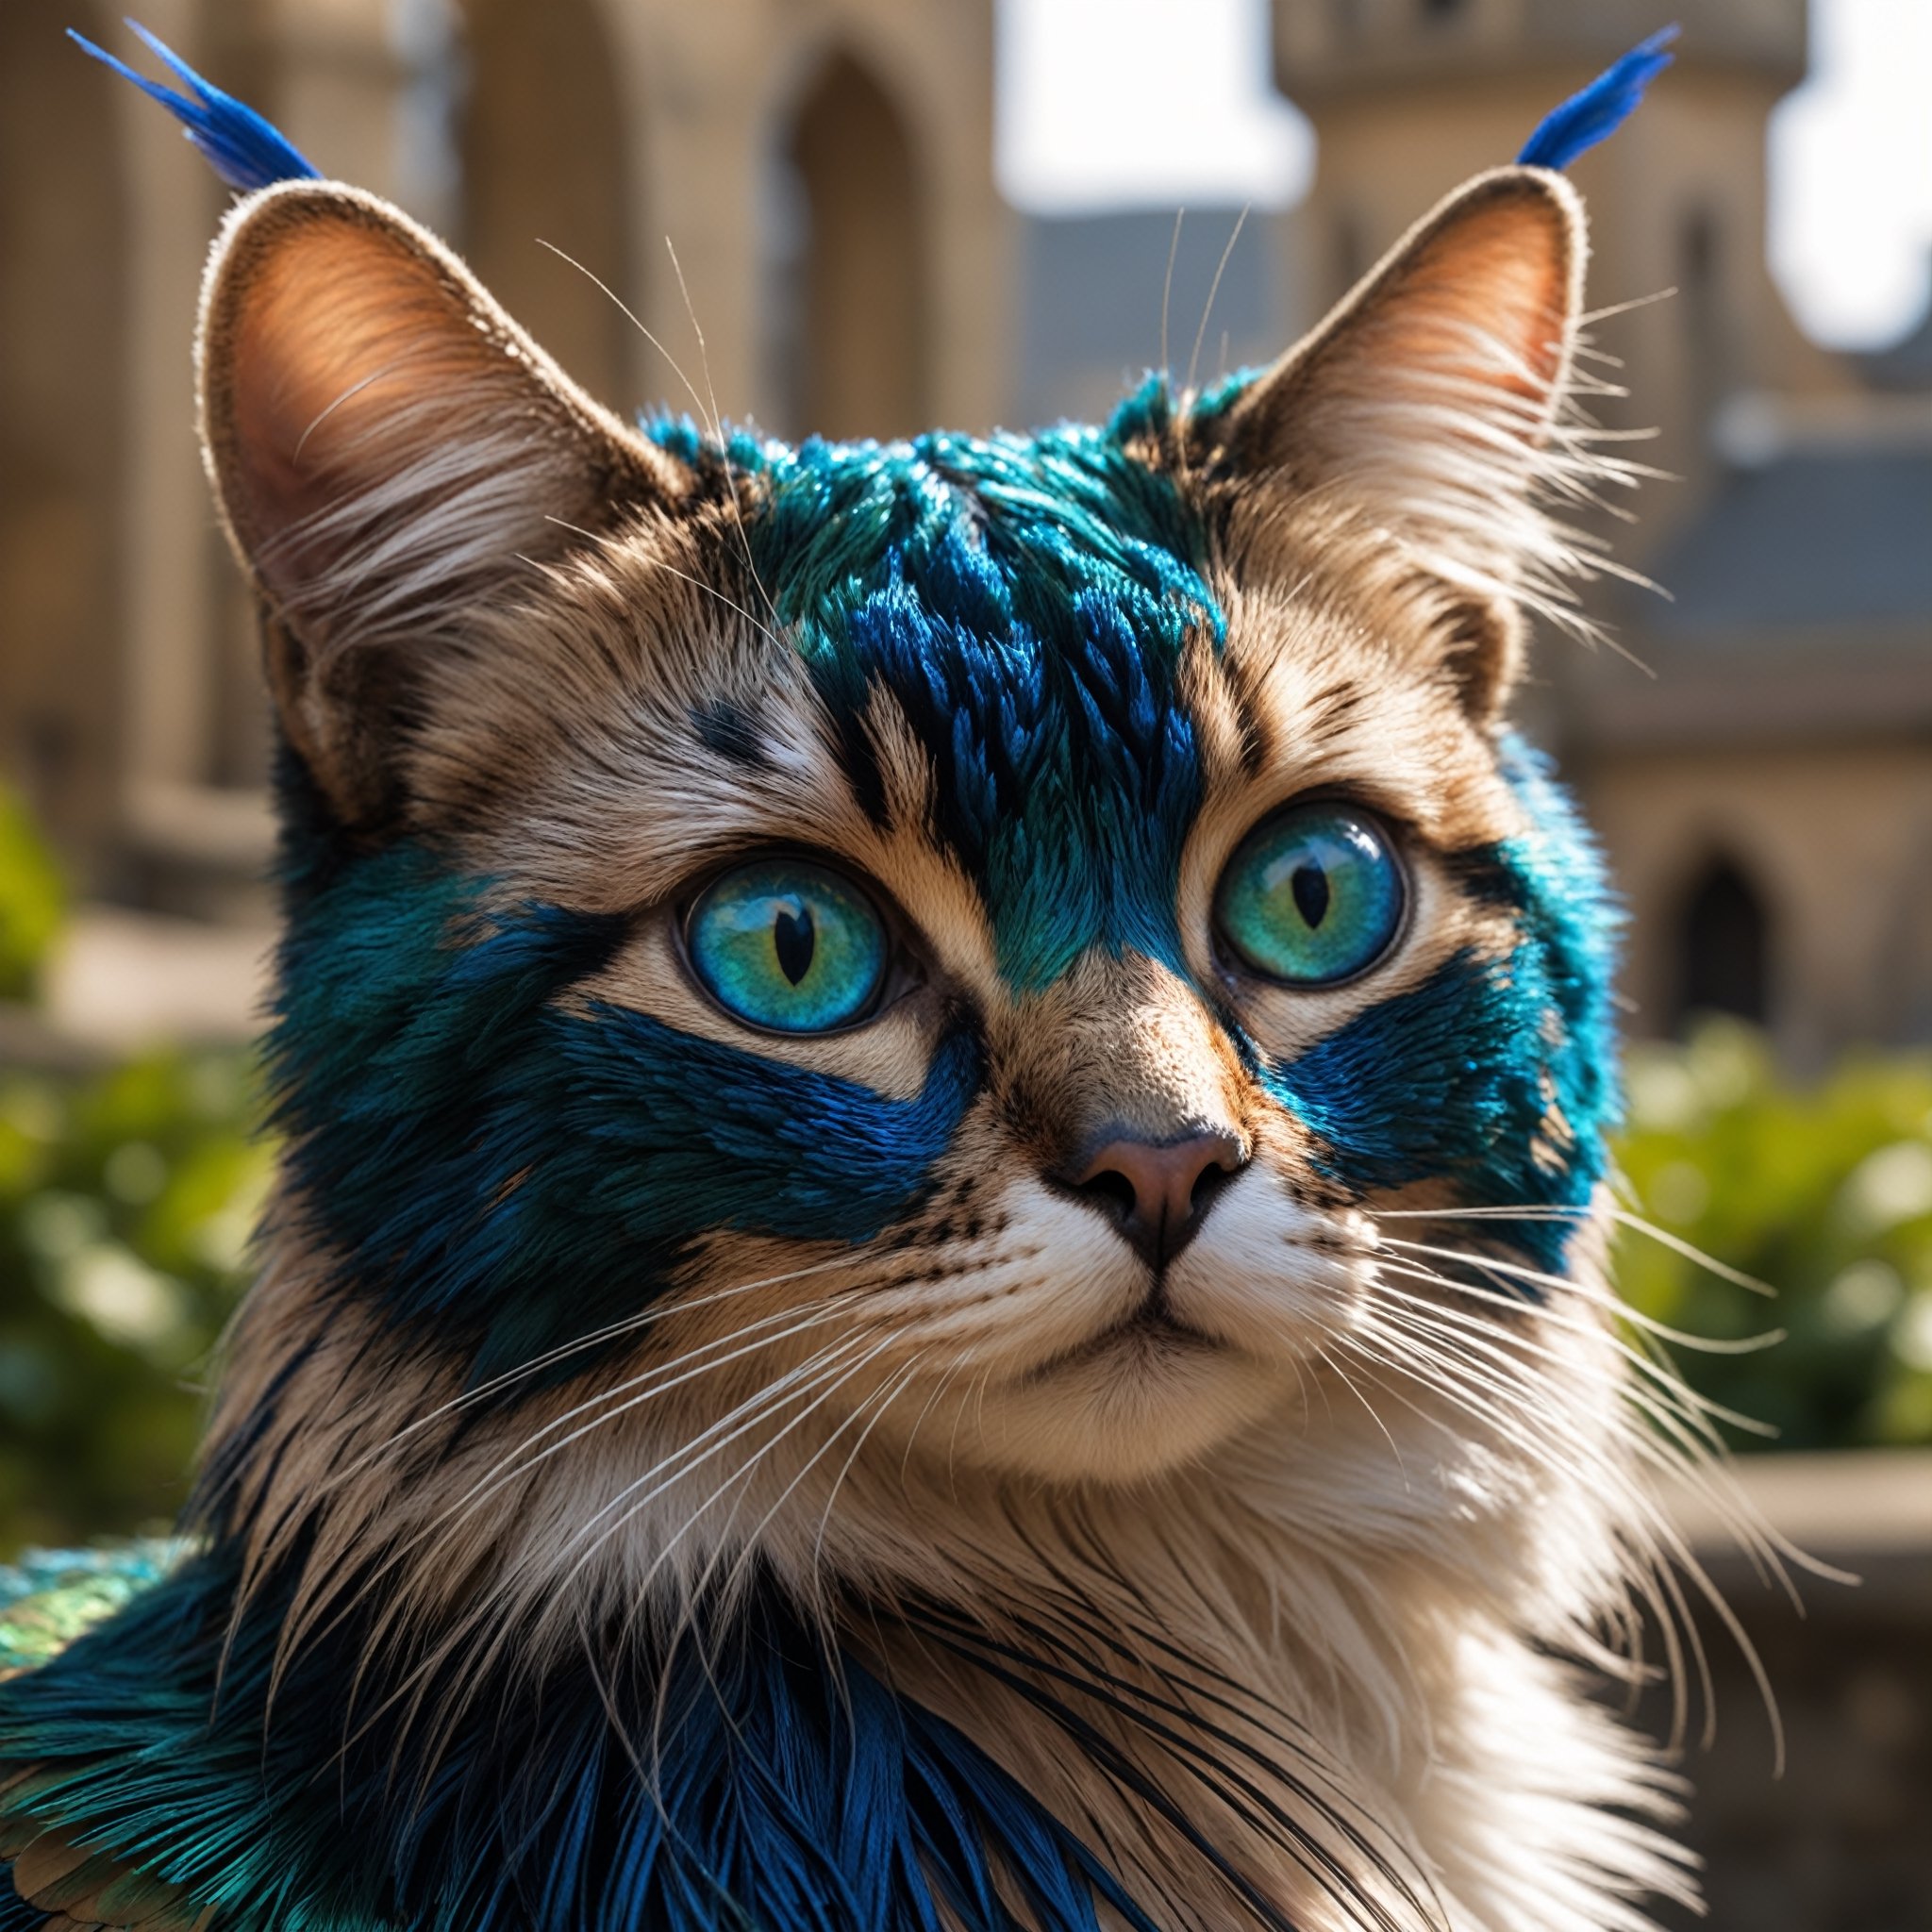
<point>126,1200</point>
<point>31,901</point>
<point>128,1194</point>
<point>1824,1194</point>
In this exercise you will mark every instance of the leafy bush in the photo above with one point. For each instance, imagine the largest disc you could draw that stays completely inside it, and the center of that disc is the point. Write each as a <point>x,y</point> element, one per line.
<point>1823,1193</point>
<point>31,901</point>
<point>126,1199</point>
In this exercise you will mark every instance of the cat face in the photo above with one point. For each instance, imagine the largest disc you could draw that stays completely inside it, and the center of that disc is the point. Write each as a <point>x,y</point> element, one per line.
<point>963,941</point>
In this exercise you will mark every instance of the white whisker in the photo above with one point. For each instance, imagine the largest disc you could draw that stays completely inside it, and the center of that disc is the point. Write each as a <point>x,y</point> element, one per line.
<point>345,1592</point>
<point>819,1393</point>
<point>1213,289</point>
<point>611,1331</point>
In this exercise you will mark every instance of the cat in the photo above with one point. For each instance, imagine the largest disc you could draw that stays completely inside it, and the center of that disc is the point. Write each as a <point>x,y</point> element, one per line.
<point>940,1250</point>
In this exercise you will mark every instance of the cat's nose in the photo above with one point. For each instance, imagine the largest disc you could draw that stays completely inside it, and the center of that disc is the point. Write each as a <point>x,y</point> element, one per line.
<point>1157,1192</point>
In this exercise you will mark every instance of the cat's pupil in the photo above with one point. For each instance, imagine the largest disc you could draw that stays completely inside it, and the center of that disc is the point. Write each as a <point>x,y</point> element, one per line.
<point>1310,886</point>
<point>793,942</point>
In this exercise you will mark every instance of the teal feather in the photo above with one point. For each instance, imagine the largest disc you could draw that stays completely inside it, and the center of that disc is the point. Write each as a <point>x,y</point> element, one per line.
<point>793,1789</point>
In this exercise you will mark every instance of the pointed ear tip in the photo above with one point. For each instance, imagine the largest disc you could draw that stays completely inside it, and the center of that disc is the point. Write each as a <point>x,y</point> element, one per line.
<point>288,216</point>
<point>273,217</point>
<point>282,247</point>
<point>268,331</point>
<point>1520,179</point>
<point>1536,193</point>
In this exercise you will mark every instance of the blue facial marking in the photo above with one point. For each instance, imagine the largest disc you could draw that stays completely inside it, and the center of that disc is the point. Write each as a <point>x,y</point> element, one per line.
<point>521,1174</point>
<point>1496,1075</point>
<point>1025,602</point>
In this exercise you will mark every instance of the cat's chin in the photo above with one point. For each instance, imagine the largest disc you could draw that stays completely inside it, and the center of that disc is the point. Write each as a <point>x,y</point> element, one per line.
<point>1135,1401</point>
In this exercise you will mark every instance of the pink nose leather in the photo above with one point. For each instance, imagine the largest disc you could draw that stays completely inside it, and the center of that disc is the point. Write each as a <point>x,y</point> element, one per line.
<point>1158,1192</point>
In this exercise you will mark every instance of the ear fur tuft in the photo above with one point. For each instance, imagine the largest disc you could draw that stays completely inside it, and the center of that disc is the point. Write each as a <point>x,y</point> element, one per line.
<point>1435,407</point>
<point>389,449</point>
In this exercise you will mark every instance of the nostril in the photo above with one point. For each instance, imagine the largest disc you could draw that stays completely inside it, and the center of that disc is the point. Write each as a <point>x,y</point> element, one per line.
<point>1157,1192</point>
<point>1111,1186</point>
<point>1209,1182</point>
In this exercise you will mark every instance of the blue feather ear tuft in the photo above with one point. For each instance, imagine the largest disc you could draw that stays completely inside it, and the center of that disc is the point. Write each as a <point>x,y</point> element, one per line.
<point>242,148</point>
<point>1601,109</point>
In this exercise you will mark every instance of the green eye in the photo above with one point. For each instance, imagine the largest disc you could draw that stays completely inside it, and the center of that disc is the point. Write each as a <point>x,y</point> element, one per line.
<point>1313,895</point>
<point>786,944</point>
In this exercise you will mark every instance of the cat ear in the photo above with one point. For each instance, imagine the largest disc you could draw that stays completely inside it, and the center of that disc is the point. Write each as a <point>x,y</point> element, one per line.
<point>1428,406</point>
<point>389,451</point>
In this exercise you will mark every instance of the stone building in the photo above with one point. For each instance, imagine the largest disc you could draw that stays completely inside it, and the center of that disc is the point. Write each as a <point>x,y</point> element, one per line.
<point>824,172</point>
<point>823,169</point>
<point>1759,765</point>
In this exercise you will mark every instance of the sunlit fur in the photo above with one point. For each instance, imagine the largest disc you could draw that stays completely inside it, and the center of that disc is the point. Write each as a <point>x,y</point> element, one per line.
<point>664,1469</point>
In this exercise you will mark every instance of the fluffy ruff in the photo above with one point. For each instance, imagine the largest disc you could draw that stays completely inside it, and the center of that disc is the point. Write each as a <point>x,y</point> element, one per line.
<point>870,1691</point>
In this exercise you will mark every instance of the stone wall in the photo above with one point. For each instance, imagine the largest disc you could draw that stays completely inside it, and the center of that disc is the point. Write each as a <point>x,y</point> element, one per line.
<point>823,175</point>
<point>1841,1839</point>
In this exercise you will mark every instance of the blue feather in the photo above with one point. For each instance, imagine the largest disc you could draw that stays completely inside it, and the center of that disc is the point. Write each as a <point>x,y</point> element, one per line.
<point>246,151</point>
<point>789,1785</point>
<point>1601,109</point>
<point>1027,602</point>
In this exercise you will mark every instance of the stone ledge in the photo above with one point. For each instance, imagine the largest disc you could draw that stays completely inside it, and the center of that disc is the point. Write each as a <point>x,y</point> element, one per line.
<point>1868,1511</point>
<point>121,981</point>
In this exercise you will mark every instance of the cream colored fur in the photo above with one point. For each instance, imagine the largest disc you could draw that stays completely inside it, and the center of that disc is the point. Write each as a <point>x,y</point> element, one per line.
<point>1357,1547</point>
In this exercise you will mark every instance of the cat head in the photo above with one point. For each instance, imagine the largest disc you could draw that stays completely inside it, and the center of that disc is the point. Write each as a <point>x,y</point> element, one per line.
<point>961,945</point>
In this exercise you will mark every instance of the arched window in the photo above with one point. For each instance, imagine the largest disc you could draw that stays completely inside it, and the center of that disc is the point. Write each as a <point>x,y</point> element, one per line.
<point>848,319</point>
<point>62,421</point>
<point>1724,947</point>
<point>543,158</point>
